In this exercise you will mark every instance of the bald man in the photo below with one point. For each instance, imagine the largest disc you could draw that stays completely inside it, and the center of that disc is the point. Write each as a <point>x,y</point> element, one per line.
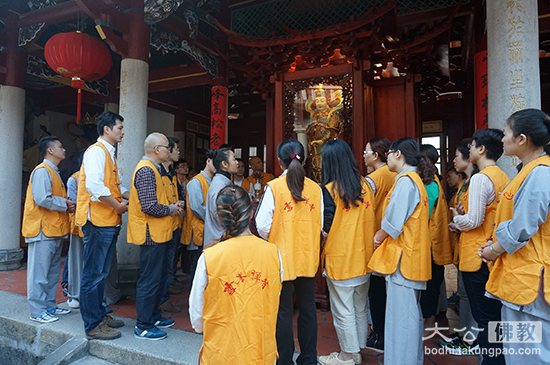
<point>150,227</point>
<point>259,178</point>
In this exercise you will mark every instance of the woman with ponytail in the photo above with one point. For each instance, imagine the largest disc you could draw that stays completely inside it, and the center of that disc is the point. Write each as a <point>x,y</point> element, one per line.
<point>235,294</point>
<point>402,251</point>
<point>349,221</point>
<point>381,181</point>
<point>520,241</point>
<point>290,215</point>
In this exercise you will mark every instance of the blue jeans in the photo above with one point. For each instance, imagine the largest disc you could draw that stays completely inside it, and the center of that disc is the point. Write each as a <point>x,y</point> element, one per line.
<point>170,263</point>
<point>150,285</point>
<point>99,246</point>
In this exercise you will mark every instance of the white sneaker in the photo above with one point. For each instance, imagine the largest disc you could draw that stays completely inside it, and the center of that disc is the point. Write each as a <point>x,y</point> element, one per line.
<point>333,359</point>
<point>73,303</point>
<point>45,318</point>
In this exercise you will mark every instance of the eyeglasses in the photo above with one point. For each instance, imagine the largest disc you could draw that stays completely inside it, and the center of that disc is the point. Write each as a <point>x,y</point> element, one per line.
<point>159,145</point>
<point>390,152</point>
<point>365,152</point>
<point>470,145</point>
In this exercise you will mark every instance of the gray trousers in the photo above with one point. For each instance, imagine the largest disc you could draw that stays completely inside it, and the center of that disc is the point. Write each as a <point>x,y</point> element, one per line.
<point>43,271</point>
<point>404,326</point>
<point>76,252</point>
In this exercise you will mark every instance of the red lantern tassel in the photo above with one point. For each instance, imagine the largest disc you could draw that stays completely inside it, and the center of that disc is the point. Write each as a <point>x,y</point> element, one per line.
<point>78,106</point>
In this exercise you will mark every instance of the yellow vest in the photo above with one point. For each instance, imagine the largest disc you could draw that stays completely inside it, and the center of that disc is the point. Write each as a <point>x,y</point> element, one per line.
<point>193,226</point>
<point>171,189</point>
<point>349,247</point>
<point>455,237</point>
<point>74,228</point>
<point>515,278</point>
<point>245,184</point>
<point>412,245</point>
<point>383,179</point>
<point>439,229</point>
<point>296,228</point>
<point>160,229</point>
<point>241,302</point>
<point>471,241</point>
<point>101,214</point>
<point>35,217</point>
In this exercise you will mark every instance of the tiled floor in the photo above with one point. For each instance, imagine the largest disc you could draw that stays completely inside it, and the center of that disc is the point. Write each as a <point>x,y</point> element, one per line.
<point>15,282</point>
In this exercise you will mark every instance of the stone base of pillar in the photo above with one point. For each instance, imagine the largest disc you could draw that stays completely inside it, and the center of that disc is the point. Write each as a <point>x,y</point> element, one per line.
<point>11,259</point>
<point>128,276</point>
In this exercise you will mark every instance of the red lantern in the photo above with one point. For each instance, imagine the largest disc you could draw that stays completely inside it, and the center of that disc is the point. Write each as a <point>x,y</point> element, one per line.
<point>79,57</point>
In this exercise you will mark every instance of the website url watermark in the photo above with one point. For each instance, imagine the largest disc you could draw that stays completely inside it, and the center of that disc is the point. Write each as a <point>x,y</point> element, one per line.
<point>481,351</point>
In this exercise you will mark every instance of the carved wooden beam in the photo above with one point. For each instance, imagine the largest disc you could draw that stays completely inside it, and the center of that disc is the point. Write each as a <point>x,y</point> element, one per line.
<point>117,44</point>
<point>251,41</point>
<point>50,15</point>
<point>437,30</point>
<point>97,10</point>
<point>180,28</point>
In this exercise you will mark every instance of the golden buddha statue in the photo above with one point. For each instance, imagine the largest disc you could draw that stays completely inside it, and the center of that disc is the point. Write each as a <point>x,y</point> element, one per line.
<point>324,125</point>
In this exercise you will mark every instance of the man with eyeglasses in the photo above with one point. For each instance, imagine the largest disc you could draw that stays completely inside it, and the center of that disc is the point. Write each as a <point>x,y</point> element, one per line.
<point>99,212</point>
<point>150,225</point>
<point>174,193</point>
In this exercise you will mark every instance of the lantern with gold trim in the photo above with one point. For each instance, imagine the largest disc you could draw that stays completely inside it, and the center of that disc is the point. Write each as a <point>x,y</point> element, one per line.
<point>79,57</point>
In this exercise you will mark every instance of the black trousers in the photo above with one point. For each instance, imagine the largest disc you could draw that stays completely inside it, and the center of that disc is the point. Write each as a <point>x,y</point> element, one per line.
<point>304,289</point>
<point>377,303</point>
<point>484,310</point>
<point>429,298</point>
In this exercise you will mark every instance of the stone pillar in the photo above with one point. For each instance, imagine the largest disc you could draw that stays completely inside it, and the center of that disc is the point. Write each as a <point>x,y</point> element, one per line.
<point>302,137</point>
<point>12,122</point>
<point>134,91</point>
<point>133,108</point>
<point>513,63</point>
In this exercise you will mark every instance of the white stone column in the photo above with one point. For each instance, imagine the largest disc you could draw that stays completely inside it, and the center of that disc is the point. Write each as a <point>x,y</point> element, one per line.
<point>301,136</point>
<point>513,63</point>
<point>12,122</point>
<point>134,84</point>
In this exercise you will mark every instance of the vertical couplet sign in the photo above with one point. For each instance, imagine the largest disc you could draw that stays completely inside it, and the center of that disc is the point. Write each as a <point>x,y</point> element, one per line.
<point>218,116</point>
<point>481,90</point>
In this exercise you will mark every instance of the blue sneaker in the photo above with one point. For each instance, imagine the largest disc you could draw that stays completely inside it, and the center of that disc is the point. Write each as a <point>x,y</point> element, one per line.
<point>58,310</point>
<point>165,323</point>
<point>150,334</point>
<point>45,318</point>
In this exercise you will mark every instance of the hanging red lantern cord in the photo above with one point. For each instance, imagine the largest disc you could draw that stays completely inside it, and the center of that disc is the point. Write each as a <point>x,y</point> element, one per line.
<point>79,57</point>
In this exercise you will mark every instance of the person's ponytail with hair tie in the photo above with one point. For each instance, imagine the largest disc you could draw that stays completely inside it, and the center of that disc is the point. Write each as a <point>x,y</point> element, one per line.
<point>290,153</point>
<point>295,156</point>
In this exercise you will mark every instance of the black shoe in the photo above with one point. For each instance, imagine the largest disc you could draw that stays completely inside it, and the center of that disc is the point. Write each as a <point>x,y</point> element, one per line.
<point>379,344</point>
<point>371,340</point>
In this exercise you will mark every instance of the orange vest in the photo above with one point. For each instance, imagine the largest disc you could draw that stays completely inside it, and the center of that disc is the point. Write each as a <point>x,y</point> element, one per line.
<point>412,245</point>
<point>241,302</point>
<point>463,198</point>
<point>471,241</point>
<point>296,228</point>
<point>160,229</point>
<point>171,189</point>
<point>245,184</point>
<point>35,217</point>
<point>101,214</point>
<point>383,179</point>
<point>515,278</point>
<point>265,180</point>
<point>193,226</point>
<point>74,228</point>
<point>349,248</point>
<point>439,229</point>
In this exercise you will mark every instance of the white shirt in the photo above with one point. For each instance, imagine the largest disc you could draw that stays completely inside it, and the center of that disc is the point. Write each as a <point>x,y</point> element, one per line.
<point>94,169</point>
<point>240,183</point>
<point>481,193</point>
<point>196,297</point>
<point>264,214</point>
